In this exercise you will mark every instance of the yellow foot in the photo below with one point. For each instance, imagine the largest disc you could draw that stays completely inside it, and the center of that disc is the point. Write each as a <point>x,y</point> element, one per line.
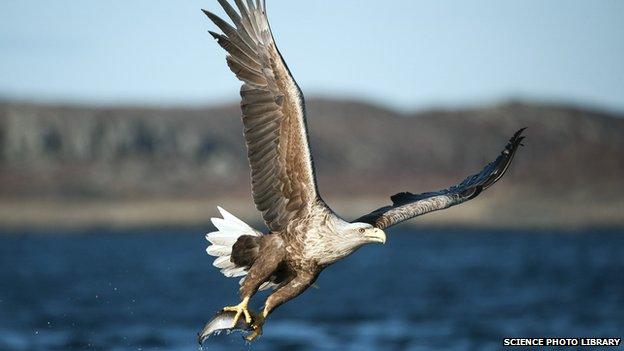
<point>256,325</point>
<point>240,309</point>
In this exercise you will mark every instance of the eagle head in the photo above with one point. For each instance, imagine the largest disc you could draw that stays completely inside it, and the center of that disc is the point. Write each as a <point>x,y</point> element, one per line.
<point>345,239</point>
<point>366,233</point>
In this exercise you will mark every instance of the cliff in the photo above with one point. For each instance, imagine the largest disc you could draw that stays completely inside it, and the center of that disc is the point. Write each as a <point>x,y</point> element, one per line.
<point>81,166</point>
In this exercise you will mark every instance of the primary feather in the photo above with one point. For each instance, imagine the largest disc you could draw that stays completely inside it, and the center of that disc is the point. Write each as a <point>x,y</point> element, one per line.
<point>283,181</point>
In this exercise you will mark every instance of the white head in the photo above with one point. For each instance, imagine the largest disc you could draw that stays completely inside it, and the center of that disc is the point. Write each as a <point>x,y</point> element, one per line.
<point>365,233</point>
<point>346,238</point>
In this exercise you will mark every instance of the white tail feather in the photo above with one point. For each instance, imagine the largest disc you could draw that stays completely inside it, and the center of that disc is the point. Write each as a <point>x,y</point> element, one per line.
<point>235,272</point>
<point>229,229</point>
<point>226,239</point>
<point>264,286</point>
<point>218,250</point>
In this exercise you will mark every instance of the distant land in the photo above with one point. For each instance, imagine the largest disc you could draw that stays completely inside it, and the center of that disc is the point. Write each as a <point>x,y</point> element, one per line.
<point>68,167</point>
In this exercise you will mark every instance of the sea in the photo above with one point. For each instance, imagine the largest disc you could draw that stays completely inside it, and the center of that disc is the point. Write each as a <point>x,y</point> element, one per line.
<point>425,289</point>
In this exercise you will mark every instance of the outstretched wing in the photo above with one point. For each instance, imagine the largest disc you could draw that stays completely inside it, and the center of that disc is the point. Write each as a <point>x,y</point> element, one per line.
<point>283,181</point>
<point>407,205</point>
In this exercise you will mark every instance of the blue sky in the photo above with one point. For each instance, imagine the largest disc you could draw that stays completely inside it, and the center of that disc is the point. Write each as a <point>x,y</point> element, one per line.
<point>405,54</point>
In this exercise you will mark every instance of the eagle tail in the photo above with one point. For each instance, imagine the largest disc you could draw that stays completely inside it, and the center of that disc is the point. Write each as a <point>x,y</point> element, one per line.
<point>229,230</point>
<point>222,242</point>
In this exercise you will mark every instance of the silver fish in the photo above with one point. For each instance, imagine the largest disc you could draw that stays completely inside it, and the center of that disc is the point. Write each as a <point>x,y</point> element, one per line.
<point>222,321</point>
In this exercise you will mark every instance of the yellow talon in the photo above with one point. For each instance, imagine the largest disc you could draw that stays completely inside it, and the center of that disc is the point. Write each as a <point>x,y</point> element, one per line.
<point>257,324</point>
<point>241,308</point>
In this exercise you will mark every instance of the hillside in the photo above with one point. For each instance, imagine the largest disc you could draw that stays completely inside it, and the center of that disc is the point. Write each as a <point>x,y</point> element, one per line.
<point>71,166</point>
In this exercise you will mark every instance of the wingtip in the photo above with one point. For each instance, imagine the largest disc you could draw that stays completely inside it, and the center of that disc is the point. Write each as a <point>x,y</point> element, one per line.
<point>519,132</point>
<point>516,139</point>
<point>210,15</point>
<point>215,35</point>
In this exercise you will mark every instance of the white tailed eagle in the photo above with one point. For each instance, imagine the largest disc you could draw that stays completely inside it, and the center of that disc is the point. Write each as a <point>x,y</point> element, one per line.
<point>305,234</point>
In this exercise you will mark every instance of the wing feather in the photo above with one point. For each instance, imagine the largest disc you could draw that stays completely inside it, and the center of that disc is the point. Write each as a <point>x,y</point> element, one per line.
<point>273,113</point>
<point>407,205</point>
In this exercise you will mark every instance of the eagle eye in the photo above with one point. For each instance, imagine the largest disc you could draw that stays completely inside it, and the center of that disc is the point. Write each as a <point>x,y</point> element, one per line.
<point>361,230</point>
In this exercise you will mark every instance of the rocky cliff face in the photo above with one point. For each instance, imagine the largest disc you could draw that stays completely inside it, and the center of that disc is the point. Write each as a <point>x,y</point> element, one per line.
<point>110,152</point>
<point>107,153</point>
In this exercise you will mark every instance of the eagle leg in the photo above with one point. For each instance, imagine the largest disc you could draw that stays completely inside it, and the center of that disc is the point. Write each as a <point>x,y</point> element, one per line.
<point>240,309</point>
<point>293,288</point>
<point>272,253</point>
<point>288,291</point>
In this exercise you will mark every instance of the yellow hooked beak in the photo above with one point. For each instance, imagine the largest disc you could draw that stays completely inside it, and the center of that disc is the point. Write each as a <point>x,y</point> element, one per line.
<point>376,235</point>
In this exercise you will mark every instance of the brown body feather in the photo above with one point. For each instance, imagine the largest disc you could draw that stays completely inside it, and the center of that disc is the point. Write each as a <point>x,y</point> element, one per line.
<point>245,251</point>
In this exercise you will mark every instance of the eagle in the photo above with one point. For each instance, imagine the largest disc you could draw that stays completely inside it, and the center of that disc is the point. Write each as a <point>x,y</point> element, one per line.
<point>305,235</point>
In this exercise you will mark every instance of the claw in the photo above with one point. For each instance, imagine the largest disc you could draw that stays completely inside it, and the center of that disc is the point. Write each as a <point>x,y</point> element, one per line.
<point>240,309</point>
<point>258,322</point>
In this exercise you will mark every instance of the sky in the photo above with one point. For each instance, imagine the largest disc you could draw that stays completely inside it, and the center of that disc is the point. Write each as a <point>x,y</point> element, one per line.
<point>405,54</point>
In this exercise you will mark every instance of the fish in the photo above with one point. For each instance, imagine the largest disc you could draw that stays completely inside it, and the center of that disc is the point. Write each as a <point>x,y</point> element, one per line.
<point>221,322</point>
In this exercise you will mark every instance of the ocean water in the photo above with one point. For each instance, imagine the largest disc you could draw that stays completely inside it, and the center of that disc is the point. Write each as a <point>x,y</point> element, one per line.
<point>426,289</point>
